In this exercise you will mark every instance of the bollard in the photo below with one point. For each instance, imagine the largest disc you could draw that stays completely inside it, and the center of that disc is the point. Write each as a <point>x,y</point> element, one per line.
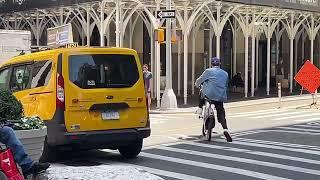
<point>279,94</point>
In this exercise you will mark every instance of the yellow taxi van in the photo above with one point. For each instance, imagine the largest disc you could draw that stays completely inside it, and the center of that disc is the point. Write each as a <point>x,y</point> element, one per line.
<point>89,97</point>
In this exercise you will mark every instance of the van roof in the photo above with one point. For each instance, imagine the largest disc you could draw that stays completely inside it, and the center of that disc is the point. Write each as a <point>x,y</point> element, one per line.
<point>31,56</point>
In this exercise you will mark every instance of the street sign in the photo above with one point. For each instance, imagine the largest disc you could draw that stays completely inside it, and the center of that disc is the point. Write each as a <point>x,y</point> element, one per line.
<point>309,77</point>
<point>59,36</point>
<point>166,14</point>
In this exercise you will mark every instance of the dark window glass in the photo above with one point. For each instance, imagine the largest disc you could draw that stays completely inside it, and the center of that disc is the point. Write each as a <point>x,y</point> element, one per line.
<point>4,78</point>
<point>103,71</point>
<point>41,73</point>
<point>20,79</point>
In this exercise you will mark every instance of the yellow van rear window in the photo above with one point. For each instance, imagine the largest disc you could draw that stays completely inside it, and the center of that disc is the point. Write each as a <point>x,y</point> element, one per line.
<point>103,71</point>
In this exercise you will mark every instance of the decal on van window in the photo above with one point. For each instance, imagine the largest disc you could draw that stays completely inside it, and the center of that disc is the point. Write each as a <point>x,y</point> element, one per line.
<point>19,75</point>
<point>91,83</point>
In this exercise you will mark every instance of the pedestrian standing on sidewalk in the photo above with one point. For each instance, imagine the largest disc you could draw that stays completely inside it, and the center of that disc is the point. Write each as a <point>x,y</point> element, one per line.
<point>147,81</point>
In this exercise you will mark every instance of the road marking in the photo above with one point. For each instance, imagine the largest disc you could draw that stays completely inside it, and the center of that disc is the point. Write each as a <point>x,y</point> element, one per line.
<point>243,160</point>
<point>307,126</point>
<point>248,114</point>
<point>307,120</point>
<point>167,173</point>
<point>213,166</point>
<point>305,151</point>
<point>299,116</point>
<point>278,143</point>
<point>275,115</point>
<point>293,132</point>
<point>259,153</point>
<point>299,129</point>
<point>261,111</point>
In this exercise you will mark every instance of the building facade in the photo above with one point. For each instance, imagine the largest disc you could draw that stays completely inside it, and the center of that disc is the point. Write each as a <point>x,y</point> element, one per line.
<point>250,36</point>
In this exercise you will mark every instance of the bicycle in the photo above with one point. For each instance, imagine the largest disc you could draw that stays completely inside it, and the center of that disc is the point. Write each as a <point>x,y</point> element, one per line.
<point>208,119</point>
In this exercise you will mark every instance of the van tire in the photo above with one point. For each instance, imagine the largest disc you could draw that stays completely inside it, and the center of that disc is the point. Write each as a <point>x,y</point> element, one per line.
<point>132,150</point>
<point>49,154</point>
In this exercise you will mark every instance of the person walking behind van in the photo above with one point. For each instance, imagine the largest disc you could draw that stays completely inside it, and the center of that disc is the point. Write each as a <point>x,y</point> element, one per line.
<point>147,81</point>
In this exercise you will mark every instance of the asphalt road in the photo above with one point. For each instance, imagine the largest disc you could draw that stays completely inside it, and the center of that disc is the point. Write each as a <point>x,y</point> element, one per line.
<point>268,144</point>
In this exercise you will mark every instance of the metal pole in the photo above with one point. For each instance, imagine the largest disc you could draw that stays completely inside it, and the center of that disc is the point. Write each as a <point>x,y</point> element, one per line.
<point>38,29</point>
<point>152,59</point>
<point>235,50</point>
<point>158,67</point>
<point>185,57</point>
<point>291,65</point>
<point>246,64</point>
<point>268,63</point>
<point>210,46</point>
<point>179,68</point>
<point>118,23</point>
<point>277,43</point>
<point>253,59</point>
<point>193,58</point>
<point>311,50</point>
<point>218,34</point>
<point>302,46</point>
<point>168,49</point>
<point>169,100</point>
<point>101,24</point>
<point>257,62</point>
<point>88,27</point>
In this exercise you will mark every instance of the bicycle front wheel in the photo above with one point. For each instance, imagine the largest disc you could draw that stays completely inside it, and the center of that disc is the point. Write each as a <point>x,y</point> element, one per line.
<point>210,126</point>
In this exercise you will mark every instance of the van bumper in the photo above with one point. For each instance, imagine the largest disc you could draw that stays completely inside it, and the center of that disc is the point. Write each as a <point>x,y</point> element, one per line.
<point>104,139</point>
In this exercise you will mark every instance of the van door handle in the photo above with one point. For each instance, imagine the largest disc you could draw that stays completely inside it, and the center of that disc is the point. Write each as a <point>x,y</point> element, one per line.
<point>33,98</point>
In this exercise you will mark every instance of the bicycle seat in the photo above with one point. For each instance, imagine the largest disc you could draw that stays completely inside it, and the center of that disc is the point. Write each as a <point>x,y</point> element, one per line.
<point>208,100</point>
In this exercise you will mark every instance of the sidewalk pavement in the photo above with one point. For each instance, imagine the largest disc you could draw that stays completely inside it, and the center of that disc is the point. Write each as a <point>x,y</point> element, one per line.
<point>298,100</point>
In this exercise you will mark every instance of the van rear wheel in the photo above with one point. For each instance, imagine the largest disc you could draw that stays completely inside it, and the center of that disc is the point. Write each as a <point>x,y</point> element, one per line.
<point>132,150</point>
<point>49,153</point>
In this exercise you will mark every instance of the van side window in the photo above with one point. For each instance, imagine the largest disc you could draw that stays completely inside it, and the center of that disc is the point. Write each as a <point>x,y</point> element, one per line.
<point>4,78</point>
<point>41,73</point>
<point>20,79</point>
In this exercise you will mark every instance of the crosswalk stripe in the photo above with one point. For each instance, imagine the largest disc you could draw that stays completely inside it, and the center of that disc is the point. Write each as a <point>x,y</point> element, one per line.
<point>306,151</point>
<point>167,173</point>
<point>275,115</point>
<point>293,132</point>
<point>299,116</point>
<point>277,143</point>
<point>259,153</point>
<point>253,114</point>
<point>261,111</point>
<point>243,160</point>
<point>308,126</point>
<point>213,166</point>
<point>299,129</point>
<point>308,120</point>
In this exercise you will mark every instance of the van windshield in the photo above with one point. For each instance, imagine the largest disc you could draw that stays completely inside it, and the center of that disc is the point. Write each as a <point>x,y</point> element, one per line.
<point>103,71</point>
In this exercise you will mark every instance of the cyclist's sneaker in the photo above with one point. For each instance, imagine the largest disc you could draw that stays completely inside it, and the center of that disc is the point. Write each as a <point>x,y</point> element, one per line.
<point>199,111</point>
<point>227,135</point>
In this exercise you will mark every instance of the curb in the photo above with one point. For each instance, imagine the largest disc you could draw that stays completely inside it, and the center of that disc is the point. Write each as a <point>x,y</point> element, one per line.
<point>263,101</point>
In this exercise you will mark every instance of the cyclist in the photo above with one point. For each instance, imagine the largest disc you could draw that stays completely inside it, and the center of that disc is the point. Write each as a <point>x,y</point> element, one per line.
<point>214,83</point>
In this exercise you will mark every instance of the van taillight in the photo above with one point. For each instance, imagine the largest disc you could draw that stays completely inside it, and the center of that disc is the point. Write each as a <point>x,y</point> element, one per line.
<point>60,92</point>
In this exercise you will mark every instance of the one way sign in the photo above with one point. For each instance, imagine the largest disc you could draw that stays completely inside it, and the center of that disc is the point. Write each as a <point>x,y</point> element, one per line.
<point>166,14</point>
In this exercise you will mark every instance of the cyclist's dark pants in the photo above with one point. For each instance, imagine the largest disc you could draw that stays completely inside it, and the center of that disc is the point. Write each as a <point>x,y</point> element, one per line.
<point>221,114</point>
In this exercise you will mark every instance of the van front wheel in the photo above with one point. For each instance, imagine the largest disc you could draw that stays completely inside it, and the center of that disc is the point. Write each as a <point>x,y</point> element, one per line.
<point>132,150</point>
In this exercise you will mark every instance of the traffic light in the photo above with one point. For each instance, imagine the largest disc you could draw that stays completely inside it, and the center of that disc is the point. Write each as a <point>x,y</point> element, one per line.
<point>159,35</point>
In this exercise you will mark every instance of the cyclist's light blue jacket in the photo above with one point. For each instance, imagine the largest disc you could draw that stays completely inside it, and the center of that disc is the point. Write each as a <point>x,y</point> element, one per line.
<point>214,84</point>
